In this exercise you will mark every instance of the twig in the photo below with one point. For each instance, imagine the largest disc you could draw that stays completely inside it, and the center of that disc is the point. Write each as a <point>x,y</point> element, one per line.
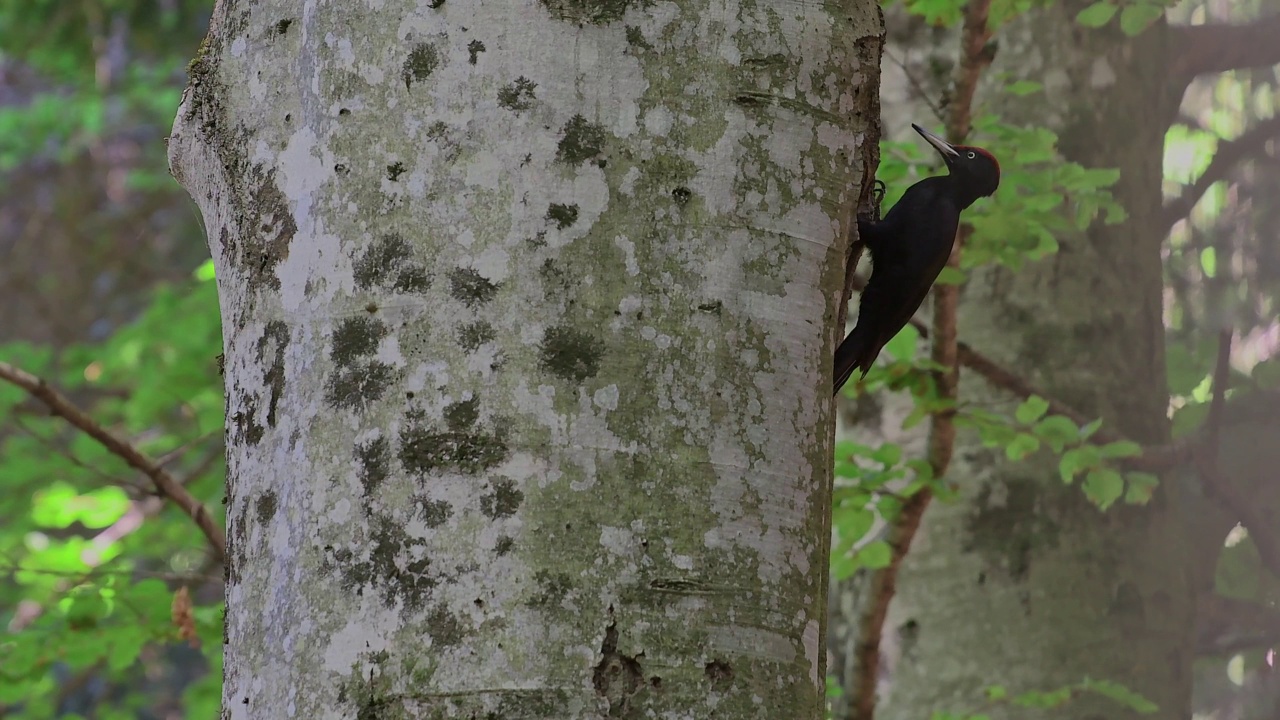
<point>1229,154</point>
<point>133,488</point>
<point>884,585</point>
<point>1221,376</point>
<point>1226,626</point>
<point>1152,459</point>
<point>973,59</point>
<point>916,85</point>
<point>1216,484</point>
<point>165,484</point>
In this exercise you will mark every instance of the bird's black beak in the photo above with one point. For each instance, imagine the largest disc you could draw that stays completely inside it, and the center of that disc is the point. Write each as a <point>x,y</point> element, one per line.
<point>948,152</point>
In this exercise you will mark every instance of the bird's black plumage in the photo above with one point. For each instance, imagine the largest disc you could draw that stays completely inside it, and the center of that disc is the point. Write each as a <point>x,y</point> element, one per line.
<point>909,248</point>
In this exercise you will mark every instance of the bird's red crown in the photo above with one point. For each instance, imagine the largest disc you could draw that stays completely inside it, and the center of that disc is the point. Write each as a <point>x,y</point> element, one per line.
<point>980,151</point>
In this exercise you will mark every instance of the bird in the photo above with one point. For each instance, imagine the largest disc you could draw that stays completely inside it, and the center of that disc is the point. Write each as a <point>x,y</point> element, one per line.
<point>909,248</point>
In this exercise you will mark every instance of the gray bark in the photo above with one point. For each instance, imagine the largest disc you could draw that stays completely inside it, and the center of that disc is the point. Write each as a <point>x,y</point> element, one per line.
<point>528,322</point>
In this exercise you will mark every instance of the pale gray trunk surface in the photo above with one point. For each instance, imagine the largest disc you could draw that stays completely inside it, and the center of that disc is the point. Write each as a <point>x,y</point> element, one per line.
<point>527,316</point>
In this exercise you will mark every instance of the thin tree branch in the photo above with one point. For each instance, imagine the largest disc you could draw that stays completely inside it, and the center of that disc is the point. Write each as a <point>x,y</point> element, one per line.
<point>916,85</point>
<point>1004,378</point>
<point>1216,484</point>
<point>1228,156</point>
<point>1221,47</point>
<point>974,57</point>
<point>1153,458</point>
<point>165,484</point>
<point>1217,403</point>
<point>1225,626</point>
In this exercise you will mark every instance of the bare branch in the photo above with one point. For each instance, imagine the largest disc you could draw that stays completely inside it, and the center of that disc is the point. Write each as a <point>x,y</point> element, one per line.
<point>1225,626</point>
<point>165,484</point>
<point>921,94</point>
<point>1221,376</point>
<point>974,57</point>
<point>1216,484</point>
<point>884,584</point>
<point>1228,156</point>
<point>1153,458</point>
<point>1221,47</point>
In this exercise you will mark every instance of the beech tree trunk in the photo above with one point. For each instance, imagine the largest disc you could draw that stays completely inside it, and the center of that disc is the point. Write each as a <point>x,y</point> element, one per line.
<point>528,317</point>
<point>1023,583</point>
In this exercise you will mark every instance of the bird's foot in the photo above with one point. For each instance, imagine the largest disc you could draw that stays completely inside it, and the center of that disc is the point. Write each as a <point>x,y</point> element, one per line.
<point>877,196</point>
<point>873,214</point>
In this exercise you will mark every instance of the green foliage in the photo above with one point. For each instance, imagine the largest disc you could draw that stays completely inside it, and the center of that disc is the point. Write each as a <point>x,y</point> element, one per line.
<point>97,69</point>
<point>948,13</point>
<point>1134,16</point>
<point>997,696</point>
<point>937,12</point>
<point>1097,14</point>
<point>863,494</point>
<point>1188,152</point>
<point>102,602</point>
<point>1040,196</point>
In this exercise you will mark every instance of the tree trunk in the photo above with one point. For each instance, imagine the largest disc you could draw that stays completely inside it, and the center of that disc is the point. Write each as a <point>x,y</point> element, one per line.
<point>528,316</point>
<point>1022,583</point>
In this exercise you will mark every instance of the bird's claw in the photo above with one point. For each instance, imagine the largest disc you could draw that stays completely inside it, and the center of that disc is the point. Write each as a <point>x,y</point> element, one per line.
<point>873,214</point>
<point>877,196</point>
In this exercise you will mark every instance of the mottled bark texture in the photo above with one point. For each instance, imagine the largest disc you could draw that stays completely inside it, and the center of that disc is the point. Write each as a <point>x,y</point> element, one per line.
<point>528,316</point>
<point>1022,583</point>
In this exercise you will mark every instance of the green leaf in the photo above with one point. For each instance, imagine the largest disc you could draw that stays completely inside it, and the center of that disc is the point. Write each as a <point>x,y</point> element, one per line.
<point>1188,418</point>
<point>205,272</point>
<point>843,565</point>
<point>1119,449</point>
<point>126,648</point>
<point>1121,695</point>
<point>1070,465</point>
<point>1087,431</point>
<point>875,555</point>
<point>24,655</point>
<point>937,12</point>
<point>1103,487</point>
<point>1185,367</point>
<point>847,469</point>
<point>853,523</point>
<point>1024,87</point>
<point>1209,262</point>
<point>889,454</point>
<point>914,418</point>
<point>1138,17</point>
<point>1031,410</point>
<point>1043,700</point>
<point>903,345</point>
<point>1056,431</point>
<point>1140,487</point>
<point>950,276</point>
<point>1022,446</point>
<point>1096,15</point>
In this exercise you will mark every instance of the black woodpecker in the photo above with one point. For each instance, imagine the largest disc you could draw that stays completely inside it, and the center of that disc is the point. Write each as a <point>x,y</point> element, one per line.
<point>909,248</point>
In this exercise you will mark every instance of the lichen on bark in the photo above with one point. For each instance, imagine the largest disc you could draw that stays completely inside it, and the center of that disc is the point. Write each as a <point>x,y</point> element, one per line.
<point>555,353</point>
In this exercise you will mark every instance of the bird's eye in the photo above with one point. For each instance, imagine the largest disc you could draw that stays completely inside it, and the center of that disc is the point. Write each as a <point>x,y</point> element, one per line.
<point>972,154</point>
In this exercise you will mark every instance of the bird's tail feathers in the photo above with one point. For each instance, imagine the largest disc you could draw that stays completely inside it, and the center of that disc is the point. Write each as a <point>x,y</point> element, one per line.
<point>857,352</point>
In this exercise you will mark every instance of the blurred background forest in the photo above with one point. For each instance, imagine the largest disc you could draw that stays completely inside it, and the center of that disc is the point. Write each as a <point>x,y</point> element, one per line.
<point>110,598</point>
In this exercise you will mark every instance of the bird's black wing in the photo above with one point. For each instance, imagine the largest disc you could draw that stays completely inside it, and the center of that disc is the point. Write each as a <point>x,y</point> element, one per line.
<point>909,248</point>
<point>885,292</point>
